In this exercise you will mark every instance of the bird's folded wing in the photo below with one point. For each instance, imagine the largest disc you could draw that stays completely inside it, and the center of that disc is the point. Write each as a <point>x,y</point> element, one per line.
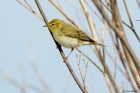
<point>72,32</point>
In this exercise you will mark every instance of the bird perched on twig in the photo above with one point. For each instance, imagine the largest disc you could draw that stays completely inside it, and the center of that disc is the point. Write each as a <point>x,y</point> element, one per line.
<point>68,36</point>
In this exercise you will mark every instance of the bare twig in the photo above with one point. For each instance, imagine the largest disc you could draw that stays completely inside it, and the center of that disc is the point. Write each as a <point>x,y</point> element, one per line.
<point>119,34</point>
<point>76,8</point>
<point>132,28</point>
<point>30,9</point>
<point>82,76</point>
<point>12,81</point>
<point>78,62</point>
<point>86,65</point>
<point>89,59</point>
<point>131,20</point>
<point>115,68</point>
<point>89,19</point>
<point>102,30</point>
<point>115,63</point>
<point>85,74</point>
<point>108,83</point>
<point>138,3</point>
<point>92,10</point>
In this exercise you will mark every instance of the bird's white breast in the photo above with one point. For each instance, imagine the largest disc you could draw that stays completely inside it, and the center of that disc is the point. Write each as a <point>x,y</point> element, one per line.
<point>66,41</point>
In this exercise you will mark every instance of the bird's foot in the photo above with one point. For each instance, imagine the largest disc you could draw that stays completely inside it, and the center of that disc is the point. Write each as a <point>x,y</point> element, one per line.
<point>65,58</point>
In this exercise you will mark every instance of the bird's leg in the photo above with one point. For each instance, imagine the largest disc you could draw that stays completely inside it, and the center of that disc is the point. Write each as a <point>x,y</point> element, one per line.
<point>69,54</point>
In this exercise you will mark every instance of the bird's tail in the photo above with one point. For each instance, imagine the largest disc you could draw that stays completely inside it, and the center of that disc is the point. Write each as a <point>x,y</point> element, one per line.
<point>96,43</point>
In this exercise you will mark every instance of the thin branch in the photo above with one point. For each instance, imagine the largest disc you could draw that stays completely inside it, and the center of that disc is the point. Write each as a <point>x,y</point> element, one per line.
<point>89,59</point>
<point>78,62</point>
<point>86,65</point>
<point>76,8</point>
<point>102,31</point>
<point>14,82</point>
<point>28,5</point>
<point>30,9</point>
<point>92,10</point>
<point>127,76</point>
<point>138,3</point>
<point>115,68</point>
<point>108,83</point>
<point>115,63</point>
<point>130,61</point>
<point>85,74</point>
<point>89,19</point>
<point>131,20</point>
<point>132,28</point>
<point>82,76</point>
<point>119,34</point>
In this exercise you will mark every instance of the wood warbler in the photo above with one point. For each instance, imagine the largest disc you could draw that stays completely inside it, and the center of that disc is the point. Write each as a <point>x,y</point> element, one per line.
<point>68,36</point>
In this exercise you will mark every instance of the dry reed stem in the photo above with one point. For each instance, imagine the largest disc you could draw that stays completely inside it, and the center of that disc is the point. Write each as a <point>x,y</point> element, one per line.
<point>89,20</point>
<point>132,28</point>
<point>130,20</point>
<point>90,60</point>
<point>101,58</point>
<point>85,74</point>
<point>102,37</point>
<point>30,9</point>
<point>118,23</point>
<point>127,76</point>
<point>117,31</point>
<point>108,83</point>
<point>138,3</point>
<point>82,76</point>
<point>105,74</point>
<point>78,62</point>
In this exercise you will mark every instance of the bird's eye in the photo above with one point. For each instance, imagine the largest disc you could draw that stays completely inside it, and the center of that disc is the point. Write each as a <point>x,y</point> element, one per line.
<point>52,24</point>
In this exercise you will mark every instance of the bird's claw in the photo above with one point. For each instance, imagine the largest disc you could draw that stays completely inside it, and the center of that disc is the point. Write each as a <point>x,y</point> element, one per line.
<point>65,58</point>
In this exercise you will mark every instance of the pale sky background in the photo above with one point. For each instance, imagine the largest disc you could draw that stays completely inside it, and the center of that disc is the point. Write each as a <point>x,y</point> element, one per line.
<point>22,33</point>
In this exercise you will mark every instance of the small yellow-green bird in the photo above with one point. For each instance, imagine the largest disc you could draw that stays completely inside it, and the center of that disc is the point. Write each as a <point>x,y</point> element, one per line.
<point>68,36</point>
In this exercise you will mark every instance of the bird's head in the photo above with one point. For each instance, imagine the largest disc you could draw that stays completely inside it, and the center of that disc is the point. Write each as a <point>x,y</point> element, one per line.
<point>55,25</point>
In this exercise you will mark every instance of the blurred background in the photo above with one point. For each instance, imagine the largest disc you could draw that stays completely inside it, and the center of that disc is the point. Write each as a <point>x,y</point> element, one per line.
<point>30,61</point>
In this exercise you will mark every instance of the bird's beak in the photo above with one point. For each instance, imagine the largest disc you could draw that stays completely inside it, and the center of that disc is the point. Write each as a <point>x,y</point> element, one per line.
<point>45,26</point>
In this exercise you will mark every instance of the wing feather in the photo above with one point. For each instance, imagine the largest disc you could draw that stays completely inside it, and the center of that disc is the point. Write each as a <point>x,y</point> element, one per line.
<point>74,33</point>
